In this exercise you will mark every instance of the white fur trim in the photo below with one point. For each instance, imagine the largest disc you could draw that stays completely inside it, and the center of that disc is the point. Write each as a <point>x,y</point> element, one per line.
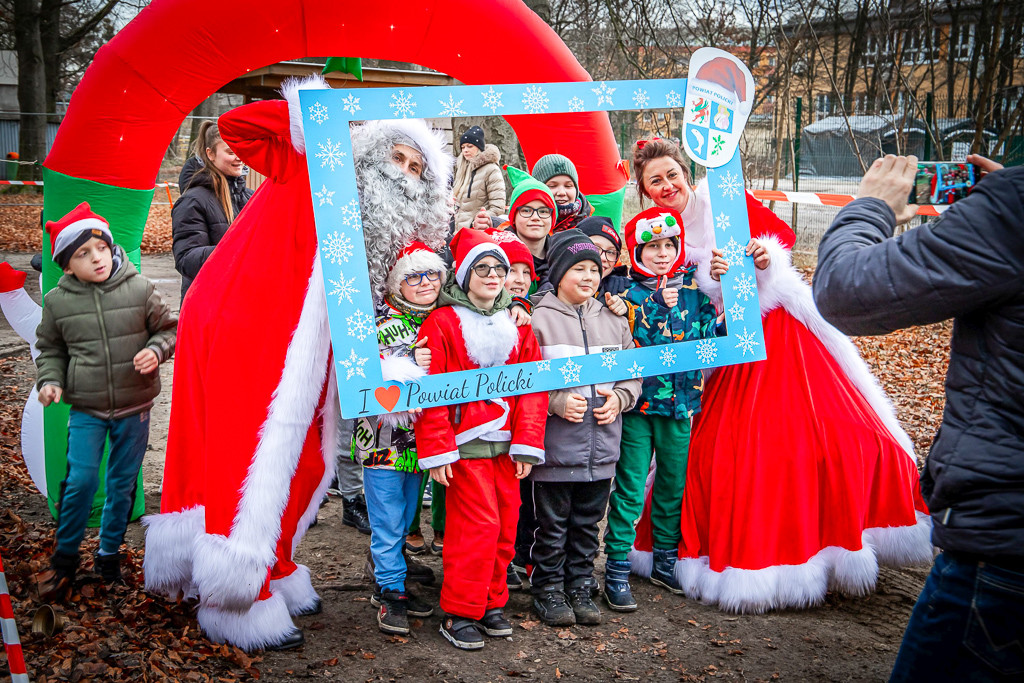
<point>902,546</point>
<point>400,369</point>
<point>228,575</point>
<point>329,447</point>
<point>419,261</point>
<point>170,538</point>
<point>263,623</point>
<point>438,460</point>
<point>490,339</point>
<point>532,453</point>
<point>478,251</point>
<point>431,144</point>
<point>296,589</point>
<point>290,91</point>
<point>488,431</point>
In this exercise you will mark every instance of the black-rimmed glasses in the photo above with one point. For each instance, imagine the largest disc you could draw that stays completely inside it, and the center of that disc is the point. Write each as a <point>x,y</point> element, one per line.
<point>484,270</point>
<point>527,211</point>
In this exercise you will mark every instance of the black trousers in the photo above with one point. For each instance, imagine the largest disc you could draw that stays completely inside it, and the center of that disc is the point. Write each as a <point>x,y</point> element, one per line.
<point>566,536</point>
<point>527,524</point>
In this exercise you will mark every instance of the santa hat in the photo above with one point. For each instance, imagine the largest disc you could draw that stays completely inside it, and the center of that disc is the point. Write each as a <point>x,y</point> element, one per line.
<point>76,228</point>
<point>11,280</point>
<point>526,188</point>
<point>515,249</point>
<point>468,247</point>
<point>725,77</point>
<point>653,224</point>
<point>415,258</point>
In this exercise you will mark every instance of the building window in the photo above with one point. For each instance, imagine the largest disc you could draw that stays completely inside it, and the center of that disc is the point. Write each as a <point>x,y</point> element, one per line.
<point>871,51</point>
<point>912,47</point>
<point>963,42</point>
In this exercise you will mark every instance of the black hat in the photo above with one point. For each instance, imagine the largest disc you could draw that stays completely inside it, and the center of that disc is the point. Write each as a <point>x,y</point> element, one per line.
<point>474,136</point>
<point>566,249</point>
<point>599,226</point>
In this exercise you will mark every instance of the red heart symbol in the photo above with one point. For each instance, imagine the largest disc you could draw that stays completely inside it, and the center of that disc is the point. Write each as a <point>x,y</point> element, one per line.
<point>387,396</point>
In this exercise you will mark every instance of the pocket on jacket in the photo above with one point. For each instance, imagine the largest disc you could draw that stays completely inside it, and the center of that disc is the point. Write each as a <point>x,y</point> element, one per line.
<point>993,628</point>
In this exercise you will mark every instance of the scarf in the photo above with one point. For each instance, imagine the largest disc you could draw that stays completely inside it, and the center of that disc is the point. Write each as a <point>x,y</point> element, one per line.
<point>452,295</point>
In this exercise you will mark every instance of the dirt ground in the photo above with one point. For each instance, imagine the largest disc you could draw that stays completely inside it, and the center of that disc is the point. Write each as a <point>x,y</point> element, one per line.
<point>668,638</point>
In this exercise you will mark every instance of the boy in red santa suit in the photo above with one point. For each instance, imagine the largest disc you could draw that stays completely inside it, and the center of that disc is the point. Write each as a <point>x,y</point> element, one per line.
<point>481,449</point>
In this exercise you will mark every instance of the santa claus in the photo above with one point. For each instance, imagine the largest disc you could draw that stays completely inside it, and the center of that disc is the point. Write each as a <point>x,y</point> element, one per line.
<point>254,405</point>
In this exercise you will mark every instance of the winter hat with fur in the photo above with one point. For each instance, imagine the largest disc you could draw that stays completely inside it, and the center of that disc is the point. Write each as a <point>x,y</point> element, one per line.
<point>653,224</point>
<point>468,248</point>
<point>415,258</point>
<point>474,136</point>
<point>76,228</point>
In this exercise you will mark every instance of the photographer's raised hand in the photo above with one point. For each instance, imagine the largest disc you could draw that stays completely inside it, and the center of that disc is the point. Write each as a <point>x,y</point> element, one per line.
<point>891,179</point>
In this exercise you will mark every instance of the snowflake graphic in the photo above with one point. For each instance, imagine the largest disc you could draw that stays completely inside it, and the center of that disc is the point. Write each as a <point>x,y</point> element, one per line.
<point>535,100</point>
<point>337,248</point>
<point>403,104</point>
<point>351,216</point>
<point>744,287</point>
<point>722,221</point>
<point>360,325</point>
<point>640,98</point>
<point>318,112</point>
<point>330,154</point>
<point>351,104</point>
<point>575,104</point>
<point>353,365</point>
<point>608,361</point>
<point>492,100</point>
<point>730,186</point>
<point>673,99</point>
<point>570,372</point>
<point>733,252</point>
<point>707,351</point>
<point>343,288</point>
<point>324,195</point>
<point>668,357</point>
<point>543,366</point>
<point>736,312</point>
<point>635,370</point>
<point>452,107</point>
<point>604,94</point>
<point>746,342</point>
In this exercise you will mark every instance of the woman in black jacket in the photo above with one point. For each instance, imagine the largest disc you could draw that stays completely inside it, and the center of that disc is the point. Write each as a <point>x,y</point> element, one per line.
<point>210,200</point>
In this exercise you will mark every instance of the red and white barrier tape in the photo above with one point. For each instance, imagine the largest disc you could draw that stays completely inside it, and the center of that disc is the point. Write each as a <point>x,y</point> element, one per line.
<point>15,657</point>
<point>40,183</point>
<point>823,199</point>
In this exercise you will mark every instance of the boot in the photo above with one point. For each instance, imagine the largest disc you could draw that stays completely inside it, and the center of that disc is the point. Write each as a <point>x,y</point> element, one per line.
<point>512,579</point>
<point>663,573</point>
<point>420,573</point>
<point>353,513</point>
<point>55,583</point>
<point>582,603</point>
<point>108,567</point>
<point>414,606</point>
<point>291,641</point>
<point>553,607</point>
<point>616,586</point>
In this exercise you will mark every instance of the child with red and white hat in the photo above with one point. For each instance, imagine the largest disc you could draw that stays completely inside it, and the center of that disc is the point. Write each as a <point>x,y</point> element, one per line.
<point>479,449</point>
<point>104,332</point>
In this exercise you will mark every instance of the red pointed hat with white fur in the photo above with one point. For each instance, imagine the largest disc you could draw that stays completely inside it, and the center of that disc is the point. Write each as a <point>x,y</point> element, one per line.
<point>414,258</point>
<point>75,228</point>
<point>653,224</point>
<point>469,246</point>
<point>514,248</point>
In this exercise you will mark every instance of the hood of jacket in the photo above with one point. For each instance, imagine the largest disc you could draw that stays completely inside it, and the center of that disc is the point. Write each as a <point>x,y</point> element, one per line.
<point>490,155</point>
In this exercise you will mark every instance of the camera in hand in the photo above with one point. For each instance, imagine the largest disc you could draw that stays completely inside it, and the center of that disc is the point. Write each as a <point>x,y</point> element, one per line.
<point>943,182</point>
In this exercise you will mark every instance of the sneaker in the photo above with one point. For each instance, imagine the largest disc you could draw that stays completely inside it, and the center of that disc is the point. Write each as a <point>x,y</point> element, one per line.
<point>663,572</point>
<point>353,513</point>
<point>553,607</point>
<point>420,573</point>
<point>512,578</point>
<point>462,633</point>
<point>428,499</point>
<point>414,607</point>
<point>108,567</point>
<point>392,614</point>
<point>437,544</point>
<point>583,606</point>
<point>414,544</point>
<point>495,624</point>
<point>617,592</point>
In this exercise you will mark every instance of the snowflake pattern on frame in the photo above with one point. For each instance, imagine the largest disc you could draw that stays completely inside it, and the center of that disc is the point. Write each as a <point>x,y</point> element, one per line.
<point>707,351</point>
<point>744,287</point>
<point>350,215</point>
<point>722,221</point>
<point>730,186</point>
<point>673,99</point>
<point>575,104</point>
<point>535,100</point>
<point>543,366</point>
<point>746,342</point>
<point>636,371</point>
<point>668,357</point>
<point>360,325</point>
<point>733,252</point>
<point>343,288</point>
<point>337,248</point>
<point>324,195</point>
<point>570,372</point>
<point>353,365</point>
<point>351,104</point>
<point>402,104</point>
<point>492,100</point>
<point>451,107</point>
<point>604,94</point>
<point>318,113</point>
<point>330,154</point>
<point>640,98</point>
<point>736,312</point>
<point>608,361</point>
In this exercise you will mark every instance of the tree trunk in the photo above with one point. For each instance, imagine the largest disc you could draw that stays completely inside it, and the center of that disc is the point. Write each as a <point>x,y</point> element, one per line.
<point>31,87</point>
<point>49,35</point>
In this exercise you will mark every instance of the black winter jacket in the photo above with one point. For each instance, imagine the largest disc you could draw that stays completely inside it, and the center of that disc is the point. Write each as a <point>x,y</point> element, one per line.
<point>967,265</point>
<point>198,223</point>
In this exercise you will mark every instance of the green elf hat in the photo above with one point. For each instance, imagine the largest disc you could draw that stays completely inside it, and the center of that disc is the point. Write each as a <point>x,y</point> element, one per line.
<point>526,188</point>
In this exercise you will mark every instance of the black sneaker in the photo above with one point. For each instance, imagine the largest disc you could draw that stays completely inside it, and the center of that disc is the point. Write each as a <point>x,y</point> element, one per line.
<point>583,606</point>
<point>462,633</point>
<point>392,614</point>
<point>108,567</point>
<point>512,578</point>
<point>495,624</point>
<point>353,513</point>
<point>553,607</point>
<point>420,573</point>
<point>414,607</point>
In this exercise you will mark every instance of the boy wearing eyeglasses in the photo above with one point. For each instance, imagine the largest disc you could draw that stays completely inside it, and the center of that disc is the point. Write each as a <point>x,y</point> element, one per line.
<point>530,217</point>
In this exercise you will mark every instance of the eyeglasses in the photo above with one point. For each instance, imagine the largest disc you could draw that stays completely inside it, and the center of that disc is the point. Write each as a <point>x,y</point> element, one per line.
<point>413,279</point>
<point>610,254</point>
<point>527,211</point>
<point>484,270</point>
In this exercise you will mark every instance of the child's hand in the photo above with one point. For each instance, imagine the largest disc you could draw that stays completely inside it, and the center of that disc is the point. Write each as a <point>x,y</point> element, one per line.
<point>519,316</point>
<point>441,474</point>
<point>50,393</point>
<point>762,259</point>
<point>575,408</point>
<point>719,266</point>
<point>607,413</point>
<point>615,304</point>
<point>482,221</point>
<point>670,295</point>
<point>146,361</point>
<point>421,354</point>
<point>523,470</point>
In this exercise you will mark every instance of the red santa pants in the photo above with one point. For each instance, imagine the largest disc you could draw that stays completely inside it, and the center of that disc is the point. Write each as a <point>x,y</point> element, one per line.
<point>480,532</point>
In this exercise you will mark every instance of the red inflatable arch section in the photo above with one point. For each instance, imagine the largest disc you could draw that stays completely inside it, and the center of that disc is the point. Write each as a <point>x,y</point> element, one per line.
<point>175,53</point>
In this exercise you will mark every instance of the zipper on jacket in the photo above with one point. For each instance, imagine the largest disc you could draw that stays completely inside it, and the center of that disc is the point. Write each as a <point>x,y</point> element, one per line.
<point>106,351</point>
<point>593,395</point>
<point>469,187</point>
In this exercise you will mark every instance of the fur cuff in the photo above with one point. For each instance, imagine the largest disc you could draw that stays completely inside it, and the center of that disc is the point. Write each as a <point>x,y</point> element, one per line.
<point>170,539</point>
<point>262,623</point>
<point>226,576</point>
<point>438,460</point>
<point>290,91</point>
<point>296,589</point>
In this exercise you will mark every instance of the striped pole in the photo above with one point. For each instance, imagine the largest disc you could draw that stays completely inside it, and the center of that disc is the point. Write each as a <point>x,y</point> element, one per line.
<point>15,657</point>
<point>823,199</point>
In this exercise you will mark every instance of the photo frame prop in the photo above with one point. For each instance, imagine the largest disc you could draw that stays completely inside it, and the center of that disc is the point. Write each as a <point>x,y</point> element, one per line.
<point>326,118</point>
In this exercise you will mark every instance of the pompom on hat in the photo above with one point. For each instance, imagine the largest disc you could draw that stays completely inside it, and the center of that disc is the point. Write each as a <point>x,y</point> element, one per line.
<point>468,247</point>
<point>650,225</point>
<point>76,228</point>
<point>414,258</point>
<point>515,249</point>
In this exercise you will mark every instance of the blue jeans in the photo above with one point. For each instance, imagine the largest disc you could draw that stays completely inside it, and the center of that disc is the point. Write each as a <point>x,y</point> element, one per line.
<point>392,500</point>
<point>968,624</point>
<point>86,437</point>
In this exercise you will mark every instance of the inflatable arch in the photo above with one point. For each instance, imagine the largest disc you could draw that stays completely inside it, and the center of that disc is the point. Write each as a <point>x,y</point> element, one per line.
<point>143,83</point>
